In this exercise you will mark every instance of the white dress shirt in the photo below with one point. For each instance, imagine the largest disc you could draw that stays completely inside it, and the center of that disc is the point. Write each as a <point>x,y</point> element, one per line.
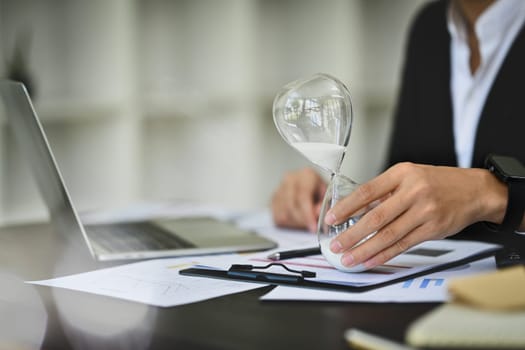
<point>496,29</point>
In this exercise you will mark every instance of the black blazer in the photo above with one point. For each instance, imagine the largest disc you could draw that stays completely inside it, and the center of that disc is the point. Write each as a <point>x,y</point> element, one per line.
<point>423,126</point>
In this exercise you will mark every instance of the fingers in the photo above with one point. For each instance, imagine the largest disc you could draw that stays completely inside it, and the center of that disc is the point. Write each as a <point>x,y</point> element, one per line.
<point>321,190</point>
<point>304,202</point>
<point>380,218</point>
<point>374,190</point>
<point>393,239</point>
<point>295,204</point>
<point>284,208</point>
<point>396,248</point>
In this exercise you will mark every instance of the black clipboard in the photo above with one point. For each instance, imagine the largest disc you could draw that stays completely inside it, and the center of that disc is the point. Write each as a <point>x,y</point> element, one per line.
<point>299,281</point>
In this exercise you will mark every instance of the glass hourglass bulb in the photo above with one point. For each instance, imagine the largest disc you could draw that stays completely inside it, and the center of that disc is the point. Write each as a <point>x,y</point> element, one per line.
<point>314,116</point>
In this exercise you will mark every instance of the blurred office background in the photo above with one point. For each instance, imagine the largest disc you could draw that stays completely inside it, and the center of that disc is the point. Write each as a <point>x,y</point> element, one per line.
<point>162,99</point>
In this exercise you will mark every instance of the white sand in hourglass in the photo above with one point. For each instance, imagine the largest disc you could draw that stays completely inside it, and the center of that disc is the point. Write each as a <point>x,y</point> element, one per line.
<point>325,155</point>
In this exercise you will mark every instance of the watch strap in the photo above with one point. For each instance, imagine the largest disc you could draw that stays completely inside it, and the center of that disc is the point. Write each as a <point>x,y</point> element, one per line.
<point>515,207</point>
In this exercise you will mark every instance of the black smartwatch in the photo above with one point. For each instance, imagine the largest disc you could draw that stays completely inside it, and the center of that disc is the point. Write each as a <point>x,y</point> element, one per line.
<point>510,171</point>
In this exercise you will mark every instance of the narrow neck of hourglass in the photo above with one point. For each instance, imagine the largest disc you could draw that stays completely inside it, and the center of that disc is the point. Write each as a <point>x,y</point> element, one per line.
<point>339,180</point>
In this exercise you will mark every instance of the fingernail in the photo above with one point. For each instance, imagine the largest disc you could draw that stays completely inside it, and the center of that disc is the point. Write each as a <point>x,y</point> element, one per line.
<point>329,219</point>
<point>347,260</point>
<point>336,246</point>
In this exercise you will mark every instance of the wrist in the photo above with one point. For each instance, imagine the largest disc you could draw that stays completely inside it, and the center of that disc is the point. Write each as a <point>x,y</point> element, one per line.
<point>494,196</point>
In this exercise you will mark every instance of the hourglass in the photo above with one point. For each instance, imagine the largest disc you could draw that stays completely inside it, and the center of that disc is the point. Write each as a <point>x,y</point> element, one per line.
<point>314,116</point>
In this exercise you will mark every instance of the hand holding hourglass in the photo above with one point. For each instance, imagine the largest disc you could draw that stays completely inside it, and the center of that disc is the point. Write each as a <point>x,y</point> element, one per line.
<point>314,116</point>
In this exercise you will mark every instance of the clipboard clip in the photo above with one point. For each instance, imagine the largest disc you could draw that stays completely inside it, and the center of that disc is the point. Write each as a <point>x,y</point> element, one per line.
<point>247,272</point>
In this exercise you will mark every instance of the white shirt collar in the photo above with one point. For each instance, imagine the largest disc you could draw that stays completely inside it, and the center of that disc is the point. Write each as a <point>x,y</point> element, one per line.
<point>493,23</point>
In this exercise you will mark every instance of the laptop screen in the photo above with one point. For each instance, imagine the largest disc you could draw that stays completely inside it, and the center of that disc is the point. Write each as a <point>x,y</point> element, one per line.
<point>24,123</point>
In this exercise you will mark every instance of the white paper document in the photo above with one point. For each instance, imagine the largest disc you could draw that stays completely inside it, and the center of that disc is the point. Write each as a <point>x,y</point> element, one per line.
<point>429,288</point>
<point>153,282</point>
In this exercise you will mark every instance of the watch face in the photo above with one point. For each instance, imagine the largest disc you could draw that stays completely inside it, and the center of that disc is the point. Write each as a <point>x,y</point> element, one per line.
<point>509,168</point>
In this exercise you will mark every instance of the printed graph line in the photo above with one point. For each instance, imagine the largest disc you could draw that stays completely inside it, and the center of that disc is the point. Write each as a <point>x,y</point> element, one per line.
<point>126,283</point>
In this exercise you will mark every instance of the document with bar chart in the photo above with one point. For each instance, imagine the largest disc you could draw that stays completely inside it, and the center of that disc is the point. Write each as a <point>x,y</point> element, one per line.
<point>429,288</point>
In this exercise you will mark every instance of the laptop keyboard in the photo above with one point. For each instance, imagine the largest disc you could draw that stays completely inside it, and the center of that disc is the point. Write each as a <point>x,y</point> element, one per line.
<point>138,236</point>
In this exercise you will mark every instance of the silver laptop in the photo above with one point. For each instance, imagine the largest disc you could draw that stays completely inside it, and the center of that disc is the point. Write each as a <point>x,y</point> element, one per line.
<point>121,240</point>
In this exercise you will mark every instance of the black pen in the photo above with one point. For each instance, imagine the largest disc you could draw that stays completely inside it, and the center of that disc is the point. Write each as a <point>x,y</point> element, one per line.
<point>296,253</point>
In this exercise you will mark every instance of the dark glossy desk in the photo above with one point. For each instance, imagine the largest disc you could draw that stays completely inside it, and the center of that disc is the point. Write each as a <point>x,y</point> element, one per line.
<point>238,321</point>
